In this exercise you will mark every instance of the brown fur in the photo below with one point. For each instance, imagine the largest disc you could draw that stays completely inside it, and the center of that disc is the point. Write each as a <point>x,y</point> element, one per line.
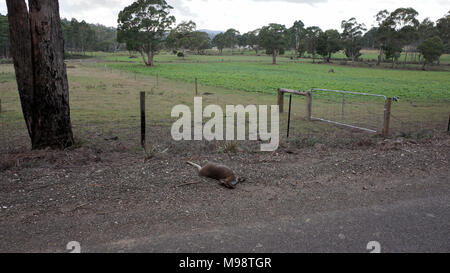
<point>218,172</point>
<point>331,71</point>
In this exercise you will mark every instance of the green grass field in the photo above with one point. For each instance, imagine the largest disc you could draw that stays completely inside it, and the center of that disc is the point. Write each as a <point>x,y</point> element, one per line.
<point>257,74</point>
<point>367,54</point>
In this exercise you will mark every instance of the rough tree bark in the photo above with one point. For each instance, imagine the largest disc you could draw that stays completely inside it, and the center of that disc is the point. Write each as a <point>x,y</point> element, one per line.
<point>38,51</point>
<point>274,57</point>
<point>380,56</point>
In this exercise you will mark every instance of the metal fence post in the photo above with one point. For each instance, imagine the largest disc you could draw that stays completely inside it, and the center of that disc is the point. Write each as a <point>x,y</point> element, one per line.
<point>143,119</point>
<point>289,116</point>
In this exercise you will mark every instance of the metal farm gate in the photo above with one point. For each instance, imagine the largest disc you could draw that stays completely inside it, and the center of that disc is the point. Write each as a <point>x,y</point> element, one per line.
<point>363,111</point>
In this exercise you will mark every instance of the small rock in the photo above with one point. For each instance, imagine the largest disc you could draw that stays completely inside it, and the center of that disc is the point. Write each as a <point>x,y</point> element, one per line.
<point>319,146</point>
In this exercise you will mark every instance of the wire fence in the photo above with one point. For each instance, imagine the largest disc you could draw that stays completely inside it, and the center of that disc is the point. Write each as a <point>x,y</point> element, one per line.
<point>105,108</point>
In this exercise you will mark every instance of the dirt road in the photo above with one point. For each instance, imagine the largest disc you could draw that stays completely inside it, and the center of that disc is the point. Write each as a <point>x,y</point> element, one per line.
<point>319,198</point>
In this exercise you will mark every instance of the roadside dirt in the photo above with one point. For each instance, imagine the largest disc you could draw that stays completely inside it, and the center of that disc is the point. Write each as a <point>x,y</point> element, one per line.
<point>108,193</point>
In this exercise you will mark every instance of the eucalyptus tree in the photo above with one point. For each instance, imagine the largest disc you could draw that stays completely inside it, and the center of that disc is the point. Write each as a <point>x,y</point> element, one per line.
<point>231,38</point>
<point>297,33</point>
<point>443,29</point>
<point>219,42</point>
<point>251,39</point>
<point>352,38</point>
<point>143,25</point>
<point>431,50</point>
<point>329,42</point>
<point>37,48</point>
<point>312,35</point>
<point>274,39</point>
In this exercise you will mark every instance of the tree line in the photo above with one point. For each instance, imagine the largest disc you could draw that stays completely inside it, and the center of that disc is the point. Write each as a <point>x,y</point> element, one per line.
<point>146,27</point>
<point>79,37</point>
<point>397,32</point>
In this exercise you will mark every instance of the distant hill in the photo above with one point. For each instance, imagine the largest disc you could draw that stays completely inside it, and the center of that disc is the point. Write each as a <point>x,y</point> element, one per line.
<point>211,33</point>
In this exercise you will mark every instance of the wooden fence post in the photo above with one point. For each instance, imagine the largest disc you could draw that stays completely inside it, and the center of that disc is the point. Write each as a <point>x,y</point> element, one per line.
<point>143,119</point>
<point>281,100</point>
<point>387,117</point>
<point>309,105</point>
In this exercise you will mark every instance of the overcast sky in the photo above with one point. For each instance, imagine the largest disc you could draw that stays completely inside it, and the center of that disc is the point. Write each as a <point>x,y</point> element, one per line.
<point>245,15</point>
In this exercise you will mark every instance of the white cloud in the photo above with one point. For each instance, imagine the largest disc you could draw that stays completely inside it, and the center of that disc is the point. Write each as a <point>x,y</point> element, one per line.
<point>246,15</point>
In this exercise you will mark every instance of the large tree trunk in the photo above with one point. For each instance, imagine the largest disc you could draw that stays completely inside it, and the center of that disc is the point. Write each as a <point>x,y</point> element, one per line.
<point>380,56</point>
<point>20,40</point>
<point>38,52</point>
<point>274,57</point>
<point>143,56</point>
<point>406,57</point>
<point>150,58</point>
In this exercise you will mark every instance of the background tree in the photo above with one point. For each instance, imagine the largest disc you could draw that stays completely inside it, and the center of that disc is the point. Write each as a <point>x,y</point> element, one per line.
<point>37,47</point>
<point>302,48</point>
<point>273,39</point>
<point>425,30</point>
<point>431,50</point>
<point>352,38</point>
<point>329,42</point>
<point>181,36</point>
<point>405,25</point>
<point>369,38</point>
<point>296,33</point>
<point>251,40</point>
<point>241,41</point>
<point>199,41</point>
<point>231,38</point>
<point>219,42</point>
<point>382,33</point>
<point>4,36</point>
<point>312,40</point>
<point>144,24</point>
<point>397,30</point>
<point>80,37</point>
<point>443,31</point>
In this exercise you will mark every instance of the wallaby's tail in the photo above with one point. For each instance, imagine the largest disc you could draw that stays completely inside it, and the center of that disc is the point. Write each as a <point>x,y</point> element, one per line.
<point>195,165</point>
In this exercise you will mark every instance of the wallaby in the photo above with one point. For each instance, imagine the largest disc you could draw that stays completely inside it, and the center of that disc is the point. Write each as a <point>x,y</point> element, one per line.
<point>218,172</point>
<point>331,71</point>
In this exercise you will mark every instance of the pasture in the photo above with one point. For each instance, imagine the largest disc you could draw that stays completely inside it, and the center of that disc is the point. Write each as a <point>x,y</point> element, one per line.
<point>257,74</point>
